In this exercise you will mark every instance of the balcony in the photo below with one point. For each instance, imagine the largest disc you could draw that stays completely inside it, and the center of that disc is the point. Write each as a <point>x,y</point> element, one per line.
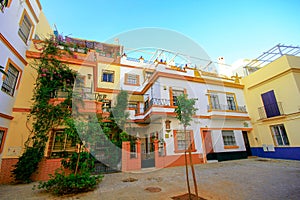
<point>86,102</point>
<point>271,110</point>
<point>156,102</point>
<point>221,107</point>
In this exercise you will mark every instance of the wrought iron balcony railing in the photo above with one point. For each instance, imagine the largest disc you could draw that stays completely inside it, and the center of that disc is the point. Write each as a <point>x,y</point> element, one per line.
<point>271,110</point>
<point>221,107</point>
<point>157,102</point>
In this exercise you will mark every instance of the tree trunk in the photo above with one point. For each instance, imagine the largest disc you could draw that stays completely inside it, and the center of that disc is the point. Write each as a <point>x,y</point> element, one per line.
<point>78,159</point>
<point>193,172</point>
<point>186,165</point>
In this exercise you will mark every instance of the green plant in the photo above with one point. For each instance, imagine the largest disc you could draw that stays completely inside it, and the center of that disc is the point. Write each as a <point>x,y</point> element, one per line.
<point>61,184</point>
<point>52,76</point>
<point>184,112</point>
<point>85,164</point>
<point>80,180</point>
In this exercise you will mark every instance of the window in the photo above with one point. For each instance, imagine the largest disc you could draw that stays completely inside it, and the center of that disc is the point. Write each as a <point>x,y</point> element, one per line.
<point>62,145</point>
<point>107,76</point>
<point>214,101</point>
<point>146,105</point>
<point>2,137</point>
<point>230,102</point>
<point>175,94</point>
<point>25,27</point>
<point>10,81</point>
<point>79,81</point>
<point>279,135</point>
<point>182,141</point>
<point>3,4</point>
<point>106,106</point>
<point>133,106</point>
<point>132,79</point>
<point>148,75</point>
<point>228,138</point>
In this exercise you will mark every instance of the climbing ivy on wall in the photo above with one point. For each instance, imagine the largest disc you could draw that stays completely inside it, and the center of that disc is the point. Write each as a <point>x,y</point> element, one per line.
<point>52,76</point>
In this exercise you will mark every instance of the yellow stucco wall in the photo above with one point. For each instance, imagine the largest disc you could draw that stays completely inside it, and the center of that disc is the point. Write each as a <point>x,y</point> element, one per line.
<point>108,85</point>
<point>282,76</point>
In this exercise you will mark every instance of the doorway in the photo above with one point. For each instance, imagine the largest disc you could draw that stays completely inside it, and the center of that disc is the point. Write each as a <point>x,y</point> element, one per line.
<point>148,156</point>
<point>208,143</point>
<point>247,144</point>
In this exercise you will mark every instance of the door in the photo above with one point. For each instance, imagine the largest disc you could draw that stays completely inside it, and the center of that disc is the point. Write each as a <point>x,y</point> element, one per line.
<point>148,159</point>
<point>208,142</point>
<point>270,104</point>
<point>247,144</point>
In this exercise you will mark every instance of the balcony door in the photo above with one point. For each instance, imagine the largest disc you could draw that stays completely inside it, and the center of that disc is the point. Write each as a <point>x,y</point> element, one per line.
<point>270,104</point>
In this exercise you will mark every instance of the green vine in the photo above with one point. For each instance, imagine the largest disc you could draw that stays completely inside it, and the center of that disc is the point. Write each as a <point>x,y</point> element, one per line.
<point>53,77</point>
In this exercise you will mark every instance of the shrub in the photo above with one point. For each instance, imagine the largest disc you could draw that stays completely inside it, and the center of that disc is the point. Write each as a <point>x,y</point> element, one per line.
<point>27,164</point>
<point>79,181</point>
<point>61,184</point>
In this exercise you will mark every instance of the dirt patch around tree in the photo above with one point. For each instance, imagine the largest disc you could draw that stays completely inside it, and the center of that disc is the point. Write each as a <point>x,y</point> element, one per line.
<point>153,189</point>
<point>186,197</point>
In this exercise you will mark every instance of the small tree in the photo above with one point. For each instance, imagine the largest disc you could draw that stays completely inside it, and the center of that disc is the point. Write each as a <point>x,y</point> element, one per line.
<point>119,117</point>
<point>185,110</point>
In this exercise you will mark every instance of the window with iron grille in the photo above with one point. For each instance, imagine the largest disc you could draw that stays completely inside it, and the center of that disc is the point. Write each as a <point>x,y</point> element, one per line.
<point>175,94</point>
<point>214,100</point>
<point>62,145</point>
<point>133,106</point>
<point>279,135</point>
<point>25,28</point>
<point>230,102</point>
<point>132,79</point>
<point>183,141</point>
<point>107,76</point>
<point>10,81</point>
<point>228,138</point>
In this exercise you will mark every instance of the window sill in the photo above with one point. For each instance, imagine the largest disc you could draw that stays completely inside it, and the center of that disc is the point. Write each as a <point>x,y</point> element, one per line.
<point>231,147</point>
<point>182,151</point>
<point>130,84</point>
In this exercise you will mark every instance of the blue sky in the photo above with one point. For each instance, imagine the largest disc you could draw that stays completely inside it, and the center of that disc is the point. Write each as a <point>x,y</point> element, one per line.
<point>231,28</point>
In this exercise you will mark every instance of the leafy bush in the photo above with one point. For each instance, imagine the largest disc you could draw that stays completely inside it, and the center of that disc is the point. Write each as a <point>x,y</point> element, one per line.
<point>85,162</point>
<point>61,184</point>
<point>27,164</point>
<point>79,181</point>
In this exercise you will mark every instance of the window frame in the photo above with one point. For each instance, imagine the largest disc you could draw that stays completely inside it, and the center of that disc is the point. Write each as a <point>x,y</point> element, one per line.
<point>214,102</point>
<point>173,97</point>
<point>127,77</point>
<point>275,139</point>
<point>2,140</point>
<point>229,145</point>
<point>111,72</point>
<point>175,136</point>
<point>18,78</point>
<point>21,33</point>
<point>233,107</point>
<point>71,150</point>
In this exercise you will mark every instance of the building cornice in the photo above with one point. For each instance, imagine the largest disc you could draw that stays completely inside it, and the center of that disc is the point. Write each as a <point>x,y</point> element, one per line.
<point>6,116</point>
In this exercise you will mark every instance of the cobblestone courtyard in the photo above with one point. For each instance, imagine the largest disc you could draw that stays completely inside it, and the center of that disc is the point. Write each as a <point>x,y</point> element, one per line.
<point>254,178</point>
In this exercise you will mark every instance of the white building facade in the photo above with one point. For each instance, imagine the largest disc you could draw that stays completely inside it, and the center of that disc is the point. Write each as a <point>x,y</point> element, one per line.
<point>18,20</point>
<point>219,127</point>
